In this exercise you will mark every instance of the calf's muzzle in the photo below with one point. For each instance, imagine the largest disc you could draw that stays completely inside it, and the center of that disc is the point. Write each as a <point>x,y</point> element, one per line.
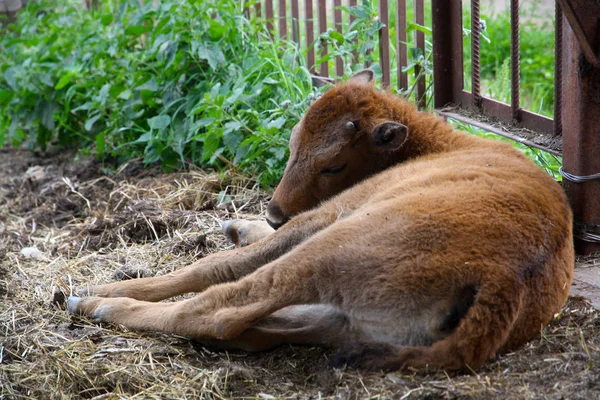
<point>275,216</point>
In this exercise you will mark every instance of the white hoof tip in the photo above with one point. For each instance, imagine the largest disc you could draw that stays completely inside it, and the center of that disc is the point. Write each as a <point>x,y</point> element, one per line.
<point>229,224</point>
<point>225,226</point>
<point>101,314</point>
<point>73,304</point>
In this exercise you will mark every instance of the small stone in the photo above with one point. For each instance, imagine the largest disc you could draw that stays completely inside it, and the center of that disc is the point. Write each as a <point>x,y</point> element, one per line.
<point>396,379</point>
<point>32,252</point>
<point>36,173</point>
<point>124,273</point>
<point>59,299</point>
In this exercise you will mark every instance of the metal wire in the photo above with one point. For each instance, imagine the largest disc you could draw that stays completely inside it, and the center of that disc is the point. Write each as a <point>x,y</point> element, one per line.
<point>578,178</point>
<point>589,237</point>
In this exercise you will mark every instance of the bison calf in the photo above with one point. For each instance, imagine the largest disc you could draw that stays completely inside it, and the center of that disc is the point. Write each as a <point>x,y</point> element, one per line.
<point>400,241</point>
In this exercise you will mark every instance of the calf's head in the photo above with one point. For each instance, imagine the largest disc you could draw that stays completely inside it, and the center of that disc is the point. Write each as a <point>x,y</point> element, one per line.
<point>344,137</point>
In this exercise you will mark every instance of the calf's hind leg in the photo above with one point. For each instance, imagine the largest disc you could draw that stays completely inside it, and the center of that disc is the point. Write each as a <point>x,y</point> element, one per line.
<point>307,324</point>
<point>221,312</point>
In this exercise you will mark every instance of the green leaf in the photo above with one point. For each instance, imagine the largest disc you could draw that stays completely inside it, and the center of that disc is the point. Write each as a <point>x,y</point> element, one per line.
<point>9,76</point>
<point>361,12</point>
<point>169,158</point>
<point>64,80</point>
<point>46,79</point>
<point>240,154</point>
<point>159,122</point>
<point>107,19</point>
<point>47,108</point>
<point>232,137</point>
<point>409,67</point>
<point>323,59</point>
<point>150,85</point>
<point>100,143</point>
<point>161,24</point>
<point>232,125</point>
<point>216,30</point>
<point>201,123</point>
<point>232,140</point>
<point>211,53</point>
<point>234,96</point>
<point>276,124</point>
<point>211,144</point>
<point>5,97</point>
<point>90,122</point>
<point>152,155</point>
<point>279,152</point>
<point>415,53</point>
<point>214,91</point>
<point>115,90</point>
<point>411,26</point>
<point>43,136</point>
<point>125,95</point>
<point>144,138</point>
<point>85,106</point>
<point>103,94</point>
<point>137,30</point>
<point>338,37</point>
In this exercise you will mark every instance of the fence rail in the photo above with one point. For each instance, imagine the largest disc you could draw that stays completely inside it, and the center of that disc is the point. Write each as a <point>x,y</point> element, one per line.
<point>449,85</point>
<point>317,17</point>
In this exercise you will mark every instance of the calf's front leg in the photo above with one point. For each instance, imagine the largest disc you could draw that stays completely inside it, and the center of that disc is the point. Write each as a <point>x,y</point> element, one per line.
<point>315,272</point>
<point>225,266</point>
<point>242,232</point>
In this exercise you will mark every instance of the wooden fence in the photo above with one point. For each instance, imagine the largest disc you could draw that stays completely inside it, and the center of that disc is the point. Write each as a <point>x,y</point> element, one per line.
<point>304,21</point>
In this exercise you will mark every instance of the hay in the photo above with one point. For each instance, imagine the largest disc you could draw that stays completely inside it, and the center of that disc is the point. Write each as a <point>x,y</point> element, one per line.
<point>143,222</point>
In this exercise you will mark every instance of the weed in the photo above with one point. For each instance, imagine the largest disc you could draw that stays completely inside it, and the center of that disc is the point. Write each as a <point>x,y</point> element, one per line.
<point>547,161</point>
<point>174,82</point>
<point>201,82</point>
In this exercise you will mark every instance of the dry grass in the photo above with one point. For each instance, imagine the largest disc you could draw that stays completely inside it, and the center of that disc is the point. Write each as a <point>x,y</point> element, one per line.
<point>91,228</point>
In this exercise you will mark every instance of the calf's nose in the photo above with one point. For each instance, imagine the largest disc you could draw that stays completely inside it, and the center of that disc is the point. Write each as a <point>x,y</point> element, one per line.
<point>275,216</point>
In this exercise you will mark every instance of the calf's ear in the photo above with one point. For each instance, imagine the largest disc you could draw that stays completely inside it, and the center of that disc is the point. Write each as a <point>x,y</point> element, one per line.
<point>389,136</point>
<point>364,76</point>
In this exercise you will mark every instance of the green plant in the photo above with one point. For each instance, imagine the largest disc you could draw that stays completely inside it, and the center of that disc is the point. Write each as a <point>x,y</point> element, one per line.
<point>176,82</point>
<point>198,81</point>
<point>547,161</point>
<point>357,47</point>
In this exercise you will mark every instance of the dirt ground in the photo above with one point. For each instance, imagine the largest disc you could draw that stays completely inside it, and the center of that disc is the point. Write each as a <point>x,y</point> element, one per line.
<point>65,223</point>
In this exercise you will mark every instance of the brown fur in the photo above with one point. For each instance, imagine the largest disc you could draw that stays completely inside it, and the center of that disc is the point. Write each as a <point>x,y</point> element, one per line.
<point>434,248</point>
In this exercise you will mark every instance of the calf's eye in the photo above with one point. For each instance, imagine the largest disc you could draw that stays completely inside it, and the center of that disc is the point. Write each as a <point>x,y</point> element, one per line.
<point>352,125</point>
<point>333,170</point>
